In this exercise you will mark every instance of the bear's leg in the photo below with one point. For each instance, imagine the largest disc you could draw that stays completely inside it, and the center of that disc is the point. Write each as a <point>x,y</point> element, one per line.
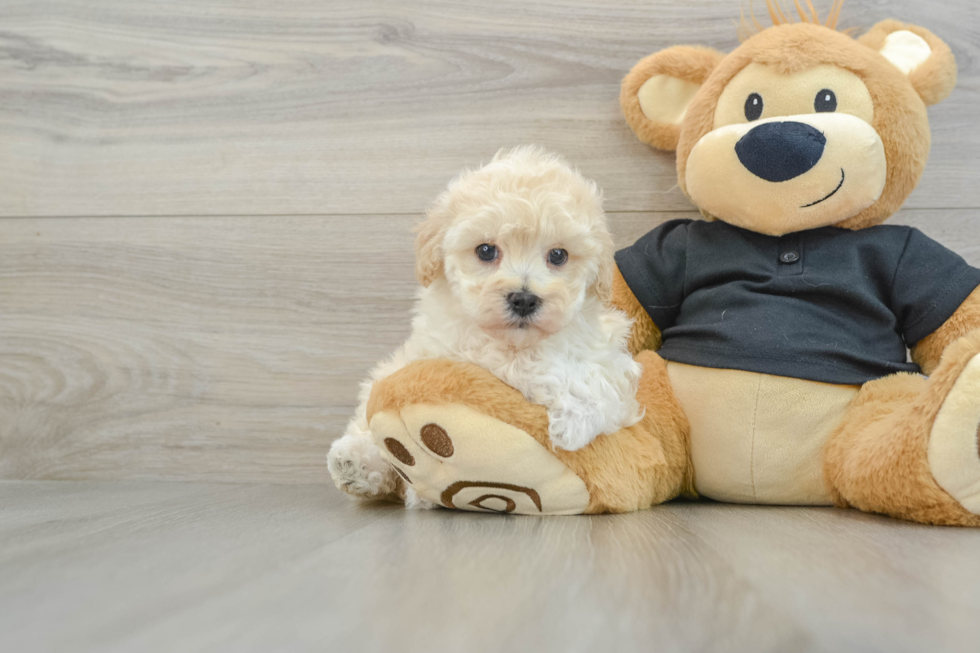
<point>460,437</point>
<point>908,447</point>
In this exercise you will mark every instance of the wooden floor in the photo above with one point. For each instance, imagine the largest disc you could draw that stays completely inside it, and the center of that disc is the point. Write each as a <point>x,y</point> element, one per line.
<point>205,215</point>
<point>140,566</point>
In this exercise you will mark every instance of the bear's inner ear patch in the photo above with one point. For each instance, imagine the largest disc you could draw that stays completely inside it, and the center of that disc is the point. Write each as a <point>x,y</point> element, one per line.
<point>906,50</point>
<point>665,99</point>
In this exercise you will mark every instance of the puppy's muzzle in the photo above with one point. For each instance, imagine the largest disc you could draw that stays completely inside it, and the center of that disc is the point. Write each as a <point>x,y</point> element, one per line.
<point>522,303</point>
<point>780,151</point>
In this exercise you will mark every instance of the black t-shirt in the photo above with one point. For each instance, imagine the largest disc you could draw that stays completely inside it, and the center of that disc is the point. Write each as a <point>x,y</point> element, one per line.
<point>829,304</point>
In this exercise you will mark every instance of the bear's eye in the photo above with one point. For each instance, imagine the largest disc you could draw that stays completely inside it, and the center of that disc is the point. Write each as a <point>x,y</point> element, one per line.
<point>753,107</point>
<point>487,252</point>
<point>557,257</point>
<point>825,102</point>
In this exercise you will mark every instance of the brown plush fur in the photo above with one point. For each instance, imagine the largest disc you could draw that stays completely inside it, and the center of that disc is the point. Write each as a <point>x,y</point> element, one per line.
<point>928,351</point>
<point>877,458</point>
<point>629,470</point>
<point>691,64</point>
<point>900,115</point>
<point>935,78</point>
<point>645,334</point>
<point>779,18</point>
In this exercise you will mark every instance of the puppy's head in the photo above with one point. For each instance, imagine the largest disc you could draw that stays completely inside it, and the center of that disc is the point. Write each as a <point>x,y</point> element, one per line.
<point>521,243</point>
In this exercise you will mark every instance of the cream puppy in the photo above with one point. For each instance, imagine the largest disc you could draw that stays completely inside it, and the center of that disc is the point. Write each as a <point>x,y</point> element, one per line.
<point>516,266</point>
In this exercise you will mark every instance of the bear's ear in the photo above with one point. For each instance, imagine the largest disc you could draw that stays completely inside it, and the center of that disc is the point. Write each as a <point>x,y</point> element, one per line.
<point>918,53</point>
<point>656,93</point>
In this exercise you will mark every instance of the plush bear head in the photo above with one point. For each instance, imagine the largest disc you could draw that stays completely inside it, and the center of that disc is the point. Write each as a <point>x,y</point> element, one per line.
<point>801,126</point>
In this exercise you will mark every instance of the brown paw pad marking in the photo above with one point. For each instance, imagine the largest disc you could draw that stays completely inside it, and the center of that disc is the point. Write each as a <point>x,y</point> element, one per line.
<point>435,438</point>
<point>452,490</point>
<point>399,451</point>
<point>509,504</point>
<point>401,473</point>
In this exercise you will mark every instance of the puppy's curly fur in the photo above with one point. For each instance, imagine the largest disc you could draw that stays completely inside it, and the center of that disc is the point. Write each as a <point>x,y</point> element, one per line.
<point>569,354</point>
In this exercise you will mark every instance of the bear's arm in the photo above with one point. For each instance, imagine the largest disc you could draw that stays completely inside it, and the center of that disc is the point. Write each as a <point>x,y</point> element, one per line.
<point>645,334</point>
<point>928,351</point>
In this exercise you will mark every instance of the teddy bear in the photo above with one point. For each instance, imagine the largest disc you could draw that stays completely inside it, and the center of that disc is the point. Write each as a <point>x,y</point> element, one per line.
<point>795,350</point>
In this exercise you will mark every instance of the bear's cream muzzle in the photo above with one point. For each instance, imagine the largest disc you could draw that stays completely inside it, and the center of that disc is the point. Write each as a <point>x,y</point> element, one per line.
<point>788,173</point>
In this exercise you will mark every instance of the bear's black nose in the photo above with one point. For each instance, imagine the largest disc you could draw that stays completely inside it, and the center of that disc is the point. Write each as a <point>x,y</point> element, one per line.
<point>779,151</point>
<point>523,303</point>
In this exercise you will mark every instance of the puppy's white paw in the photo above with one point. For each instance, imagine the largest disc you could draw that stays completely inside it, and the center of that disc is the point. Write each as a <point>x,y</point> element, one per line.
<point>414,502</point>
<point>357,467</point>
<point>573,424</point>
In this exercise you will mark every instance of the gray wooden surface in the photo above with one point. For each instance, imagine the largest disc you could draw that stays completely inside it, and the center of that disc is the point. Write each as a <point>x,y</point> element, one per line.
<point>231,107</point>
<point>215,348</point>
<point>188,567</point>
<point>205,206</point>
<point>205,210</point>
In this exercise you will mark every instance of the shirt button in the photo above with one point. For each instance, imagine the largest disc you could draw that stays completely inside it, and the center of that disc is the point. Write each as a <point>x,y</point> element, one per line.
<point>789,257</point>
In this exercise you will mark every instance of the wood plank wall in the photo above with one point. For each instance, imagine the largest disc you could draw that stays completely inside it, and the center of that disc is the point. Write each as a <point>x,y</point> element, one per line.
<point>205,206</point>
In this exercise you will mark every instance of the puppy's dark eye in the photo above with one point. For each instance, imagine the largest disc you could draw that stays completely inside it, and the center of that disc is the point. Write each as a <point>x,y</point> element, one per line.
<point>825,102</point>
<point>753,107</point>
<point>486,252</point>
<point>557,257</point>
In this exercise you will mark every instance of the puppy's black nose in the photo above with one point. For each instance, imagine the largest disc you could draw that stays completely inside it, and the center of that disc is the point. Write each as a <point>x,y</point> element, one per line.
<point>523,303</point>
<point>779,151</point>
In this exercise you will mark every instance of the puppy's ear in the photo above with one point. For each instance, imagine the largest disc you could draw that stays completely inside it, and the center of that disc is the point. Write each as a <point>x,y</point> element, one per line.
<point>656,93</point>
<point>428,242</point>
<point>919,54</point>
<point>603,285</point>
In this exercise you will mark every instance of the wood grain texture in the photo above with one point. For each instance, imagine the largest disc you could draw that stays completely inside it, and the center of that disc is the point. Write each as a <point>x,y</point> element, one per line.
<point>196,348</point>
<point>215,348</point>
<point>205,212</point>
<point>231,107</point>
<point>150,567</point>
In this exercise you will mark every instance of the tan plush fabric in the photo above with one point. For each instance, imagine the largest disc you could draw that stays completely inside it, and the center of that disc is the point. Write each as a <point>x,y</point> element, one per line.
<point>954,458</point>
<point>758,438</point>
<point>791,49</point>
<point>901,445</point>
<point>793,94</point>
<point>651,96</point>
<point>719,184</point>
<point>906,50</point>
<point>631,469</point>
<point>645,334</point>
<point>661,127</point>
<point>493,466</point>
<point>900,116</point>
<point>877,459</point>
<point>929,350</point>
<point>933,79</point>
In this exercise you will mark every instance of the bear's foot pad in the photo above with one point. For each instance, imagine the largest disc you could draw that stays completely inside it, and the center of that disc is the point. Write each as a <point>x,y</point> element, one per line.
<point>458,457</point>
<point>953,444</point>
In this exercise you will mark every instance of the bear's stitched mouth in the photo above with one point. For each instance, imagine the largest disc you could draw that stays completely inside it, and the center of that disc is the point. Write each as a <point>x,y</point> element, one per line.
<point>827,197</point>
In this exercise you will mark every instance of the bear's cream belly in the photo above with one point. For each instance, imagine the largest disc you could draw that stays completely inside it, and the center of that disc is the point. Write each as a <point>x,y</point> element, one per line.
<point>757,438</point>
